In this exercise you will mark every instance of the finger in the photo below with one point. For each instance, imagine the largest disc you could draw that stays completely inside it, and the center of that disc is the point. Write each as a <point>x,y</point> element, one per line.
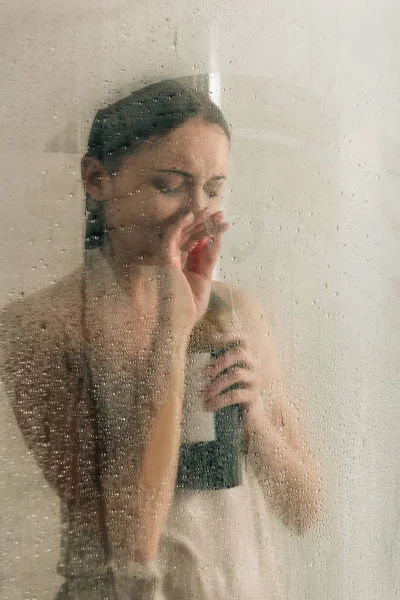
<point>223,375</point>
<point>222,346</point>
<point>211,253</point>
<point>233,356</point>
<point>239,396</point>
<point>234,375</point>
<point>176,223</point>
<point>186,231</point>
<point>213,221</point>
<point>173,235</point>
<point>205,216</point>
<point>205,223</point>
<point>194,237</point>
<point>229,337</point>
<point>198,223</point>
<point>200,218</point>
<point>215,224</point>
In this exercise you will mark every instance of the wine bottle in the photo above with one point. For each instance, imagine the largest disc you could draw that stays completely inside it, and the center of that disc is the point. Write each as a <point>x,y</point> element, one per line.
<point>210,448</point>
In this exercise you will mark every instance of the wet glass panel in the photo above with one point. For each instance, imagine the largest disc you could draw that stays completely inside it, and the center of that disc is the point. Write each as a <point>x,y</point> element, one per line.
<point>194,404</point>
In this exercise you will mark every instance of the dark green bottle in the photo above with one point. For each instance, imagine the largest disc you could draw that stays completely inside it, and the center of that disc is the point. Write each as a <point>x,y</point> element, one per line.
<point>212,464</point>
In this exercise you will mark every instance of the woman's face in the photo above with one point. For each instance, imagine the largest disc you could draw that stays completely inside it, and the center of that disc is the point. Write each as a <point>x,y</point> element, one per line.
<point>170,176</point>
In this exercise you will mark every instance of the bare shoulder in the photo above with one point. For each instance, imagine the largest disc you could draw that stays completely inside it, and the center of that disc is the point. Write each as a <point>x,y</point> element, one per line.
<point>50,310</point>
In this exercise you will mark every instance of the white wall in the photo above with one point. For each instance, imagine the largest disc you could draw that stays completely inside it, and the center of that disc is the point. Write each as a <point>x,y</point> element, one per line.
<point>311,89</point>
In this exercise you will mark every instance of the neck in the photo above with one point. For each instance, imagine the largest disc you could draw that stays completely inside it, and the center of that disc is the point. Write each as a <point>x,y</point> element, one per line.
<point>126,267</point>
<point>120,264</point>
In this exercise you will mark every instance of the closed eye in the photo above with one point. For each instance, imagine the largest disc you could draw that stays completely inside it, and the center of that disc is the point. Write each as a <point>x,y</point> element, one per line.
<point>165,189</point>
<point>169,191</point>
<point>214,192</point>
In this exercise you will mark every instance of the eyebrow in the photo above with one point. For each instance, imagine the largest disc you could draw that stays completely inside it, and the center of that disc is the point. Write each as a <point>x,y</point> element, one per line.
<point>186,174</point>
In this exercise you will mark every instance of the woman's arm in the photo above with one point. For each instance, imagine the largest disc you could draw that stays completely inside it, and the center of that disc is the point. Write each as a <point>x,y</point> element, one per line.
<point>277,445</point>
<point>41,369</point>
<point>139,474</point>
<point>289,475</point>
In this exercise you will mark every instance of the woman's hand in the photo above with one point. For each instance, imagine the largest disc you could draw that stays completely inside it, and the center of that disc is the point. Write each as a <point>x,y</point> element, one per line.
<point>238,367</point>
<point>162,289</point>
<point>192,282</point>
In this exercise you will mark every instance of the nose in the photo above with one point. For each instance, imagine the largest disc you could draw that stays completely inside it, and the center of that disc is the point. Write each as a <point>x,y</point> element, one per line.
<point>197,199</point>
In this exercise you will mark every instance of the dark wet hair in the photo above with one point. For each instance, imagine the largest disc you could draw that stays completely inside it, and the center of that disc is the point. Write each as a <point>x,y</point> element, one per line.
<point>123,127</point>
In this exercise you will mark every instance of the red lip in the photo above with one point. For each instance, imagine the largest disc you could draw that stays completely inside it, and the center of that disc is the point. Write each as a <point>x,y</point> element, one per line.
<point>194,255</point>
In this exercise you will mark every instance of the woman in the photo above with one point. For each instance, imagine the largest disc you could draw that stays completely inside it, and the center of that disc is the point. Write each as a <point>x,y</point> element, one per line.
<point>95,367</point>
